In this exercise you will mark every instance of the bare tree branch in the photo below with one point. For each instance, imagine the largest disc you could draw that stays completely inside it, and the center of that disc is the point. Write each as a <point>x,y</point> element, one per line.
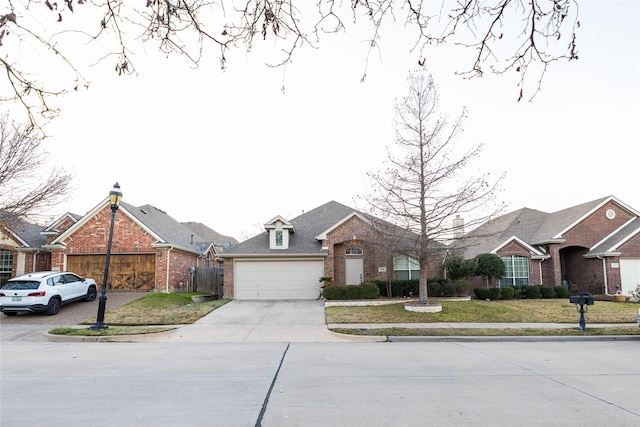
<point>525,36</point>
<point>427,184</point>
<point>22,193</point>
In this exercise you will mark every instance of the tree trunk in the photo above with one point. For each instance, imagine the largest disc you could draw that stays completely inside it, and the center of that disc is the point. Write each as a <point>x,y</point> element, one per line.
<point>424,276</point>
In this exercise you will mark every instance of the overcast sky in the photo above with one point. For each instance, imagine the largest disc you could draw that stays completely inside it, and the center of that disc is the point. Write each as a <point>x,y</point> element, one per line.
<point>232,151</point>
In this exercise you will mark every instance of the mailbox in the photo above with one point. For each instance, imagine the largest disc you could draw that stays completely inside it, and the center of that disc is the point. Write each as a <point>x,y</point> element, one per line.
<point>580,301</point>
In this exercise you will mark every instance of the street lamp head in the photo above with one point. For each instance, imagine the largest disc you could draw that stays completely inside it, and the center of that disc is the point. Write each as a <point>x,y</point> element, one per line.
<point>115,195</point>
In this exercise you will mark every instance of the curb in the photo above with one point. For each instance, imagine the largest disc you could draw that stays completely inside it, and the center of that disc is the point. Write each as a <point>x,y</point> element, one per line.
<point>514,338</point>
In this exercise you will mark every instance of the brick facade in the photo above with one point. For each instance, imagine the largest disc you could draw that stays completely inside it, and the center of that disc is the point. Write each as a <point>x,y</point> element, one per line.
<point>570,258</point>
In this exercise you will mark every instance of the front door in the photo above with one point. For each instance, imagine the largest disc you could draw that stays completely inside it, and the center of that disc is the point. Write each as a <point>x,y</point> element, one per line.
<point>354,271</point>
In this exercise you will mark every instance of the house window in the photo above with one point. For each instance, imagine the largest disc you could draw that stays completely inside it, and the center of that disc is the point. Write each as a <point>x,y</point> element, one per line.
<point>516,271</point>
<point>405,268</point>
<point>6,265</point>
<point>353,251</point>
<point>279,238</point>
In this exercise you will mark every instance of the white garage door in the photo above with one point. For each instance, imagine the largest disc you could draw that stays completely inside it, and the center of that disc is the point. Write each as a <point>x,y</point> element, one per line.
<point>629,274</point>
<point>290,279</point>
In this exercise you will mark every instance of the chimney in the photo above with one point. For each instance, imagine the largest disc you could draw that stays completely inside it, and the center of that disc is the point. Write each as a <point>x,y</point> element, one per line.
<point>458,227</point>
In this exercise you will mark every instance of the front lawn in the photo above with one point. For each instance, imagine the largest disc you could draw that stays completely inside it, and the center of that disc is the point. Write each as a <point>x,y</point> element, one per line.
<point>480,311</point>
<point>159,309</point>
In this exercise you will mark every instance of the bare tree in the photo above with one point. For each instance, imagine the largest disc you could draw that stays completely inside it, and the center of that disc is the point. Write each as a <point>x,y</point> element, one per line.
<point>501,34</point>
<point>426,183</point>
<point>23,193</point>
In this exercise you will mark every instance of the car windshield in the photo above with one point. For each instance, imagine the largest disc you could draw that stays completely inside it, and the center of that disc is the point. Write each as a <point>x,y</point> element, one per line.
<point>17,285</point>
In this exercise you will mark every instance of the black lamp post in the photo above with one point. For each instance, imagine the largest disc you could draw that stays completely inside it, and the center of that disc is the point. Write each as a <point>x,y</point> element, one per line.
<point>115,195</point>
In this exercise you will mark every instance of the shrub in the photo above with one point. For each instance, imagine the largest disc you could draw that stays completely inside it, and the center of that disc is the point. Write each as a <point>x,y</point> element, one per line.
<point>595,289</point>
<point>495,294</point>
<point>481,293</point>
<point>449,290</point>
<point>353,292</point>
<point>462,287</point>
<point>399,288</point>
<point>546,291</point>
<point>561,292</point>
<point>434,289</point>
<point>517,292</point>
<point>531,292</point>
<point>367,290</point>
<point>335,292</point>
<point>508,292</point>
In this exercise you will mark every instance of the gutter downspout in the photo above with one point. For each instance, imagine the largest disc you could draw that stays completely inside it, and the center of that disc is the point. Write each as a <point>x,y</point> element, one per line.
<point>604,273</point>
<point>167,272</point>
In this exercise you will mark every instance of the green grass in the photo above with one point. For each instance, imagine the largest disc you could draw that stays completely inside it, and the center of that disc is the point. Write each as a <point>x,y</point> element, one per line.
<point>480,311</point>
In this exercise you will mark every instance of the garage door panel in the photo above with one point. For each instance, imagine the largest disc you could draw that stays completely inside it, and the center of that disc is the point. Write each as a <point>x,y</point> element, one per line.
<point>126,272</point>
<point>629,274</point>
<point>278,279</point>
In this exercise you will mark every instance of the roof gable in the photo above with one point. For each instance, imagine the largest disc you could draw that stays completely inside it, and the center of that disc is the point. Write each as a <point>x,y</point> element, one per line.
<point>54,227</point>
<point>535,228</point>
<point>162,228</point>
<point>273,223</point>
<point>323,235</point>
<point>534,251</point>
<point>308,226</point>
<point>23,233</point>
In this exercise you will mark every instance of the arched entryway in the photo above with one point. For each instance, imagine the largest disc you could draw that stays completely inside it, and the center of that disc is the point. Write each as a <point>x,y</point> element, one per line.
<point>580,272</point>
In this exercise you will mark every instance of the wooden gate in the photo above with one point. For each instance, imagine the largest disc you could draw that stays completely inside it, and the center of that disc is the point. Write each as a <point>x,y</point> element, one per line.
<point>209,279</point>
<point>135,272</point>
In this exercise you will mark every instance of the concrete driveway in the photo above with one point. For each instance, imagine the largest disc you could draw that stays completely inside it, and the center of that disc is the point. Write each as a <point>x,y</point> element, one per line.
<point>261,321</point>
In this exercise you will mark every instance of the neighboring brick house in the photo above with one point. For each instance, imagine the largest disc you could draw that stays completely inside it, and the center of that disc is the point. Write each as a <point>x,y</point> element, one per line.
<point>150,250</point>
<point>289,258</point>
<point>21,247</point>
<point>595,246</point>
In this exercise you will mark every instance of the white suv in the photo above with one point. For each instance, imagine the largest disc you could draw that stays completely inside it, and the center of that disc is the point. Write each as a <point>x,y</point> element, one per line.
<point>44,291</point>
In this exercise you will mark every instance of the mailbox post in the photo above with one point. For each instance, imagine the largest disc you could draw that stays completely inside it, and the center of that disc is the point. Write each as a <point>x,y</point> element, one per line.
<point>580,301</point>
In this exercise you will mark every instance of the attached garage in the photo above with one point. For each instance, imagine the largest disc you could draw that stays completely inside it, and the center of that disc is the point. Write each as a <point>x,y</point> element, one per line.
<point>629,274</point>
<point>131,272</point>
<point>278,279</point>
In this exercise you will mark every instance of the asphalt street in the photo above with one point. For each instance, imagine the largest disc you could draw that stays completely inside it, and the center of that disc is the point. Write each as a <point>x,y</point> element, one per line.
<point>320,384</point>
<point>265,369</point>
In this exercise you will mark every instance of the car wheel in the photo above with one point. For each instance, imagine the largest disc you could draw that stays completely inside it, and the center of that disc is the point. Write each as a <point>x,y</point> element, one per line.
<point>54,307</point>
<point>9,313</point>
<point>91,294</point>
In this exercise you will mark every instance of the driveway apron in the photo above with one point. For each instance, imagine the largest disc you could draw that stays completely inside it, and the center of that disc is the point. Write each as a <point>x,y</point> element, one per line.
<point>262,321</point>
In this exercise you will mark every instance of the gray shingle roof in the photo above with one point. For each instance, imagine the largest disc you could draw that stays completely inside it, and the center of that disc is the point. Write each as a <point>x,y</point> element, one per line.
<point>532,226</point>
<point>613,242</point>
<point>209,234</point>
<point>30,233</point>
<point>167,228</point>
<point>310,225</point>
<point>307,227</point>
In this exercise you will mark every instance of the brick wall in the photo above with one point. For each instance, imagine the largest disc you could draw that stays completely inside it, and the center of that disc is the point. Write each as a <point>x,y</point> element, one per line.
<point>354,233</point>
<point>93,236</point>
<point>128,238</point>
<point>228,290</point>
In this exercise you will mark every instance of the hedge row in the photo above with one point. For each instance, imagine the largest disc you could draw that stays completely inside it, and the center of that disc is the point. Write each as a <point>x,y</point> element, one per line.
<point>522,292</point>
<point>367,290</point>
<point>409,288</point>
